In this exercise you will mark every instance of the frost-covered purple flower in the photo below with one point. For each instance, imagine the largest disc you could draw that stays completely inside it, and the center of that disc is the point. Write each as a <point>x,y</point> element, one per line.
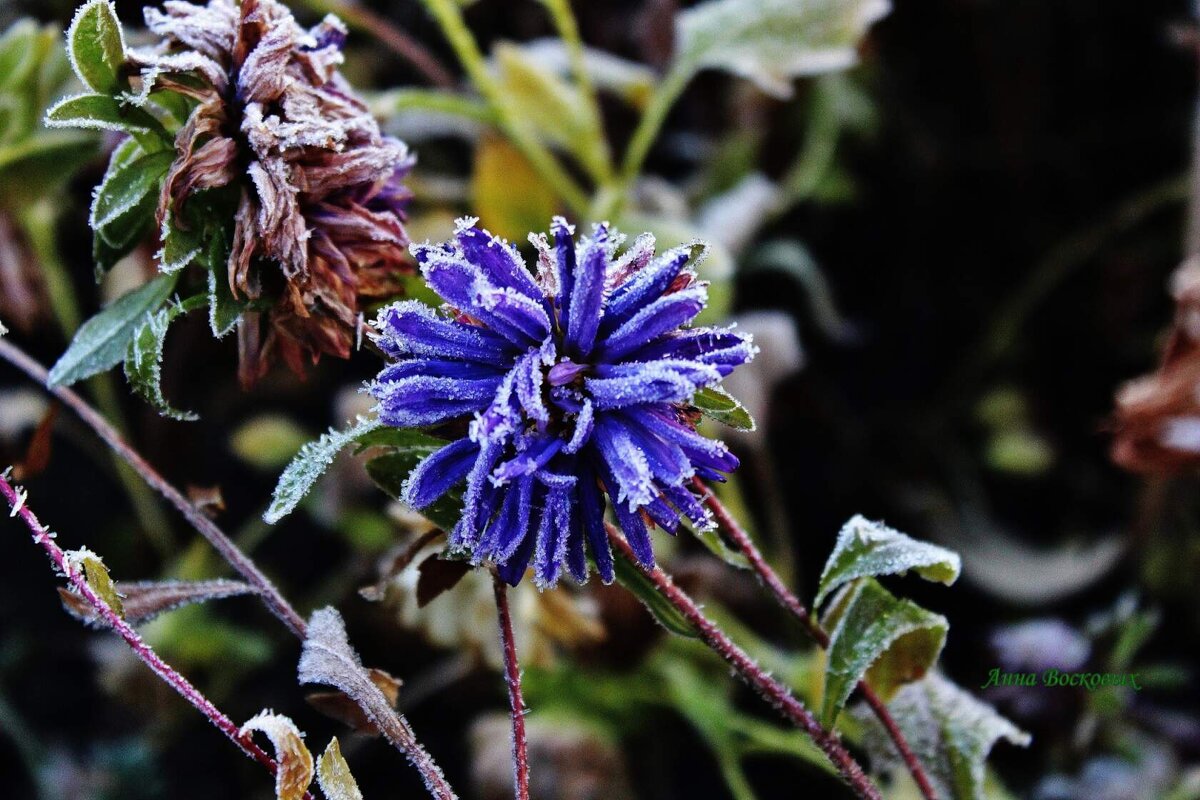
<point>577,383</point>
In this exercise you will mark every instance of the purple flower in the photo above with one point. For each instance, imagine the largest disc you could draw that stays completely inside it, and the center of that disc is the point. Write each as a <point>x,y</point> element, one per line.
<point>577,383</point>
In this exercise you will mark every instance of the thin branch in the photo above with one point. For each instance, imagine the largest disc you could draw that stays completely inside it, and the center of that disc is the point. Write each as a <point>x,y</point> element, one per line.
<point>771,690</point>
<point>42,536</point>
<point>359,17</point>
<point>512,676</point>
<point>792,603</point>
<point>275,601</point>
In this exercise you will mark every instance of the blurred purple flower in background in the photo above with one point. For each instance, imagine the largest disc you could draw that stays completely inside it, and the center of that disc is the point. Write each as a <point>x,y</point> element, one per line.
<point>579,381</point>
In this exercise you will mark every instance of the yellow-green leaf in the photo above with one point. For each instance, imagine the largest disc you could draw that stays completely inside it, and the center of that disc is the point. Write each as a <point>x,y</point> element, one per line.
<point>97,577</point>
<point>333,773</point>
<point>97,46</point>
<point>509,196</point>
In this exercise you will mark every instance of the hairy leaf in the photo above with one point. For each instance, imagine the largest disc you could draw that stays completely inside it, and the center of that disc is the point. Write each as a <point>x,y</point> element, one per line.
<point>145,600</point>
<point>143,359</point>
<point>310,464</point>
<point>102,341</point>
<point>327,658</point>
<point>295,771</point>
<point>180,245</point>
<point>772,41</point>
<point>334,776</point>
<point>103,113</point>
<point>124,201</point>
<point>716,403</point>
<point>870,549</point>
<point>636,582</point>
<point>950,731</point>
<point>97,577</point>
<point>876,636</point>
<point>338,705</point>
<point>97,46</point>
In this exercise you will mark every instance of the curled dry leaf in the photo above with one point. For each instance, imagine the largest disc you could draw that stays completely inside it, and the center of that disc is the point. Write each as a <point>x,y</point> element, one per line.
<point>144,600</point>
<point>208,499</point>
<point>333,773</point>
<point>295,771</point>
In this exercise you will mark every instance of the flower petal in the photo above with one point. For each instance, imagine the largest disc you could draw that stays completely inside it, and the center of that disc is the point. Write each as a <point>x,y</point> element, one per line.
<point>587,294</point>
<point>653,320</point>
<point>438,472</point>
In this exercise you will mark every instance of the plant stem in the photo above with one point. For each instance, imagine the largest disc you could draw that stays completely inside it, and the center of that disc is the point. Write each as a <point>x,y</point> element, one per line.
<point>275,601</point>
<point>512,676</point>
<point>792,603</point>
<point>673,84</point>
<point>568,31</point>
<point>771,690</point>
<point>449,17</point>
<point>400,42</point>
<point>38,222</point>
<point>42,536</point>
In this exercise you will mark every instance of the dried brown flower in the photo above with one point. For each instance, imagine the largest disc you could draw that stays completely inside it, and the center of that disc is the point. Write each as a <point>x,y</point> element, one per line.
<point>1157,419</point>
<point>319,222</point>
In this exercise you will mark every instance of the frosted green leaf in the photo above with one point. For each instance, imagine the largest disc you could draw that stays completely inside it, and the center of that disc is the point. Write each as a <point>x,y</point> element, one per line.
<point>716,403</point>
<point>950,731</point>
<point>124,201</point>
<point>390,471</point>
<point>143,359</point>
<point>180,246</point>
<point>97,577</point>
<point>334,776</point>
<point>875,636</point>
<point>102,341</point>
<point>870,549</point>
<point>295,772</point>
<point>770,42</point>
<point>103,113</point>
<point>96,46</point>
<point>309,465</point>
<point>641,587</point>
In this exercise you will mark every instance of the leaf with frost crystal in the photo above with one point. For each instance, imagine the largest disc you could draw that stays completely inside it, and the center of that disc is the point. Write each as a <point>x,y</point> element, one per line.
<point>102,341</point>
<point>96,46</point>
<point>143,359</point>
<point>97,577</point>
<point>716,403</point>
<point>99,112</point>
<point>333,773</point>
<point>870,549</point>
<point>124,202</point>
<point>874,635</point>
<point>145,600</point>
<point>770,42</point>
<point>327,658</point>
<point>949,730</point>
<point>310,464</point>
<point>295,772</point>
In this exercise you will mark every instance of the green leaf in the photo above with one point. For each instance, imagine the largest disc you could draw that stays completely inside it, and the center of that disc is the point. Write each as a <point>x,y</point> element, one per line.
<point>124,204</point>
<point>507,192</point>
<point>18,55</point>
<point>100,112</point>
<point>711,539</point>
<point>950,732</point>
<point>637,582</point>
<point>877,637</point>
<point>143,359</point>
<point>310,464</point>
<point>407,449</point>
<point>180,246</point>
<point>268,441</point>
<point>97,46</point>
<point>628,80</point>
<point>97,577</point>
<point>870,549</point>
<point>101,342</point>
<point>224,310</point>
<point>334,776</point>
<point>716,403</point>
<point>41,164</point>
<point>770,42</point>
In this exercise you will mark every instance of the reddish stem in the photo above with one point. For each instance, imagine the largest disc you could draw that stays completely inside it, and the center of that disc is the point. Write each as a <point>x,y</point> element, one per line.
<point>43,537</point>
<point>770,689</point>
<point>512,676</point>
<point>789,601</point>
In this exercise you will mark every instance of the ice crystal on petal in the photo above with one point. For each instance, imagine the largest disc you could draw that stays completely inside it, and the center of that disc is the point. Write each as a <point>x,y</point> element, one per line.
<point>575,380</point>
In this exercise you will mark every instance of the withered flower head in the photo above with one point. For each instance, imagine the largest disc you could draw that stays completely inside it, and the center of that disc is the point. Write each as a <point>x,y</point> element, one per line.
<point>1157,418</point>
<point>319,221</point>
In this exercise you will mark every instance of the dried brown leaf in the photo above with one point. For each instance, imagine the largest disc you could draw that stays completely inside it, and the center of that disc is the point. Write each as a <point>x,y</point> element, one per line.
<point>208,500</point>
<point>144,600</point>
<point>295,771</point>
<point>438,575</point>
<point>339,706</point>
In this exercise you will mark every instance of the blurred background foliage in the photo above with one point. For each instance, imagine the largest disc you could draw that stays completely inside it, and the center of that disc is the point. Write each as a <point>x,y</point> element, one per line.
<point>951,255</point>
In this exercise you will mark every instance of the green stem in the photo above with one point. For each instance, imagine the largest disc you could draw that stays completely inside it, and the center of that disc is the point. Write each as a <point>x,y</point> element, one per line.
<point>647,131</point>
<point>568,30</point>
<point>449,17</point>
<point>39,221</point>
